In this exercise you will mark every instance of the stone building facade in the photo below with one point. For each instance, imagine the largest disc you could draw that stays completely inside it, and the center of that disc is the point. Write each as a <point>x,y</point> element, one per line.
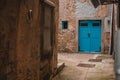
<point>74,11</point>
<point>23,25</point>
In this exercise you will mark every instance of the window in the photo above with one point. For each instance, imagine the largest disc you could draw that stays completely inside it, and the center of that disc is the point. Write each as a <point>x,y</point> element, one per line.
<point>84,24</point>
<point>64,24</point>
<point>96,24</point>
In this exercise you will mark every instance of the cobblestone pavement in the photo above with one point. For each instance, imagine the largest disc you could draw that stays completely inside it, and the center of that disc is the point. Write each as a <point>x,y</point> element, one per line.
<point>101,71</point>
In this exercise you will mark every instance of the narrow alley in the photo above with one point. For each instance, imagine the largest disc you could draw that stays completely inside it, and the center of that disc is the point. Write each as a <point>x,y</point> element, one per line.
<point>59,40</point>
<point>86,67</point>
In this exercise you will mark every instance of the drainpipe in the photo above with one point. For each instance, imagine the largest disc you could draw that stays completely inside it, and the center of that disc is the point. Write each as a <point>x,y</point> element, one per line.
<point>111,26</point>
<point>112,34</point>
<point>117,48</point>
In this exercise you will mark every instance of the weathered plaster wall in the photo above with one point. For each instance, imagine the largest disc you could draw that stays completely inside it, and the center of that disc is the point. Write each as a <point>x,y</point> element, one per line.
<point>28,44</point>
<point>54,61</point>
<point>8,39</point>
<point>84,9</point>
<point>20,56</point>
<point>115,17</point>
<point>30,66</point>
<point>79,10</point>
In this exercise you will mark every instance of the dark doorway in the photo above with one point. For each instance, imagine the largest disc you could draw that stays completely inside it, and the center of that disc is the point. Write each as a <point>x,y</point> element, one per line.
<point>47,38</point>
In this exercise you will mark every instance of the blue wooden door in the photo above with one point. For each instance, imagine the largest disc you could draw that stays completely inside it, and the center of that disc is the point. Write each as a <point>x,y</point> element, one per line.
<point>95,36</point>
<point>84,34</point>
<point>90,36</point>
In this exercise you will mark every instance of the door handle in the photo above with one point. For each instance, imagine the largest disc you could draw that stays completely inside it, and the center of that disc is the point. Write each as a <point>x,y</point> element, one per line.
<point>89,35</point>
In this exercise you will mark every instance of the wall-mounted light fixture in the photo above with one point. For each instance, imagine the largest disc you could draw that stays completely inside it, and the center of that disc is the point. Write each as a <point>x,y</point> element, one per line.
<point>29,15</point>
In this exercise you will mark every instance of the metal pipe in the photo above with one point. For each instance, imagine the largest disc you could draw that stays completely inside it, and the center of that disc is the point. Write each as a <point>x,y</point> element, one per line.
<point>117,47</point>
<point>111,26</point>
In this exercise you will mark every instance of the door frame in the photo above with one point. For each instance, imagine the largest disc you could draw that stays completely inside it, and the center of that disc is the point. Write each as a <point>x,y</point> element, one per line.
<point>46,55</point>
<point>49,4</point>
<point>102,35</point>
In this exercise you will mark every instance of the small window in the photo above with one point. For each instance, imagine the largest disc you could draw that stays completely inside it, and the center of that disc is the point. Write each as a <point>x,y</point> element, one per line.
<point>64,24</point>
<point>96,24</point>
<point>84,24</point>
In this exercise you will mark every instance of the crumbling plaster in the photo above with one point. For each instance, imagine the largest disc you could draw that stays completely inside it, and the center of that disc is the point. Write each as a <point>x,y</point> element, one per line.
<point>73,11</point>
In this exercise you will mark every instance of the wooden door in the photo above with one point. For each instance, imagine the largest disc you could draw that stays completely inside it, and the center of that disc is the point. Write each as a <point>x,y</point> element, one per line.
<point>90,36</point>
<point>47,39</point>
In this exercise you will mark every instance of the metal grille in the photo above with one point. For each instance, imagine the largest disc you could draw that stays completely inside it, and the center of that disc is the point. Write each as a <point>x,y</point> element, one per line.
<point>86,65</point>
<point>95,60</point>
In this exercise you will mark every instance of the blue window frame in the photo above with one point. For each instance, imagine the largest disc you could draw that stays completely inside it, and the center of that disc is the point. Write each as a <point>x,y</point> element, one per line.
<point>64,24</point>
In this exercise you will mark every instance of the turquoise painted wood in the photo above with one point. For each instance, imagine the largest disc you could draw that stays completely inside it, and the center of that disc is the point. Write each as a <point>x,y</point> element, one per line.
<point>90,36</point>
<point>84,40</point>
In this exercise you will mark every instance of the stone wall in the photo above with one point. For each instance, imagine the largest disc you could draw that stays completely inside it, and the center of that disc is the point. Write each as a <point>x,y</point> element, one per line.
<point>66,42</point>
<point>73,11</point>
